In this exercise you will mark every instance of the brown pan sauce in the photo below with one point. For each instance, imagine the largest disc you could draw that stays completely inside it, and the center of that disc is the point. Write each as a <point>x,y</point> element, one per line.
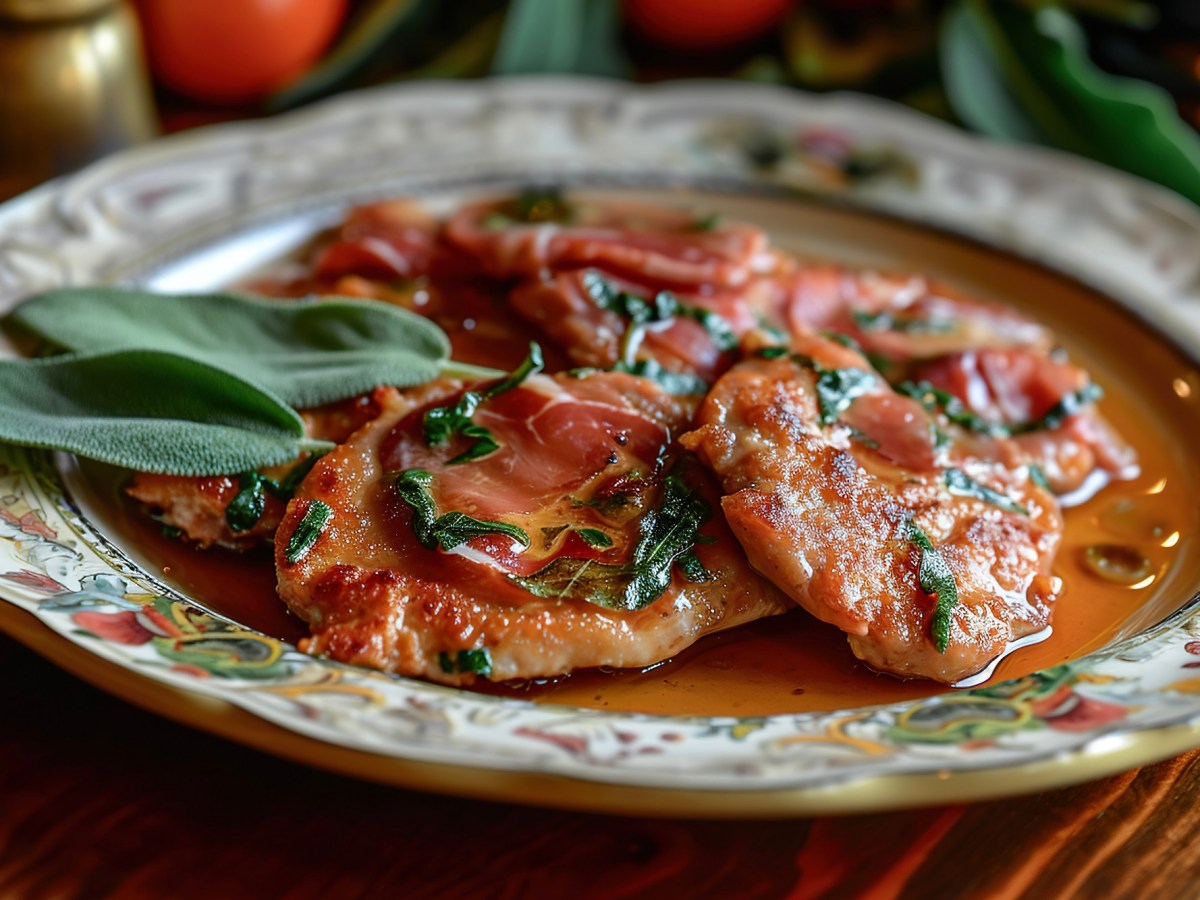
<point>1129,556</point>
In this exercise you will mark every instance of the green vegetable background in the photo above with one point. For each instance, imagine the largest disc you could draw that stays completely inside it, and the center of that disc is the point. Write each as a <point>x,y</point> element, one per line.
<point>1117,81</point>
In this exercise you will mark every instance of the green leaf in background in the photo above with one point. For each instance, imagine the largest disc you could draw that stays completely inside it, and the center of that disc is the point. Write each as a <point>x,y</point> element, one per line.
<point>374,27</point>
<point>306,352</point>
<point>571,36</point>
<point>148,410</point>
<point>1025,76</point>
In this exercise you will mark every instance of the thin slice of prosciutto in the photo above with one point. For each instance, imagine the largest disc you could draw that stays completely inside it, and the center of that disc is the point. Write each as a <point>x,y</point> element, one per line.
<point>552,576</point>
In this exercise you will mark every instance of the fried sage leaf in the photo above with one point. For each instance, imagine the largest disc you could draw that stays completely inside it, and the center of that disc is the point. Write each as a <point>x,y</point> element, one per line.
<point>668,534</point>
<point>961,484</point>
<point>310,527</point>
<point>935,578</point>
<point>148,410</point>
<point>306,352</point>
<point>641,311</point>
<point>443,422</point>
<point>451,529</point>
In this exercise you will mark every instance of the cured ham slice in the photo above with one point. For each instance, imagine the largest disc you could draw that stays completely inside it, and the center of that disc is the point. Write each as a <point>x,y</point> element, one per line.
<point>900,319</point>
<point>876,517</point>
<point>575,543</point>
<point>389,240</point>
<point>1047,404</point>
<point>581,311</point>
<point>669,247</point>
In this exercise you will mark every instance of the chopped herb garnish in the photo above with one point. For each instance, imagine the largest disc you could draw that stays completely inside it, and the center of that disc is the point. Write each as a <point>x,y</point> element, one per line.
<point>172,531</point>
<point>951,407</point>
<point>594,537</point>
<point>955,410</point>
<point>248,504</point>
<point>961,484</point>
<point>771,352</point>
<point>668,534</point>
<point>838,388</point>
<point>935,578</point>
<point>451,529</point>
<point>691,567</point>
<point>443,422</point>
<point>1038,476</point>
<point>678,384</point>
<point>717,327</point>
<point>886,320</point>
<point>584,579</point>
<point>475,662</point>
<point>707,223</point>
<point>315,518</point>
<point>1070,404</point>
<point>641,311</point>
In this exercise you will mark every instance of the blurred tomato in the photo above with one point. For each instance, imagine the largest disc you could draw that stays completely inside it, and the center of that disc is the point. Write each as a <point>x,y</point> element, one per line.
<point>703,24</point>
<point>233,51</point>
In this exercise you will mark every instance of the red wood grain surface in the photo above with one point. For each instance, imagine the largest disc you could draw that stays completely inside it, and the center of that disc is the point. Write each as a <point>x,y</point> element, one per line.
<point>99,799</point>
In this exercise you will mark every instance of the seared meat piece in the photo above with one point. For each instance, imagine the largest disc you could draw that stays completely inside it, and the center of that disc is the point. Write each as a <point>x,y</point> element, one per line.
<point>574,544</point>
<point>851,501</point>
<point>197,506</point>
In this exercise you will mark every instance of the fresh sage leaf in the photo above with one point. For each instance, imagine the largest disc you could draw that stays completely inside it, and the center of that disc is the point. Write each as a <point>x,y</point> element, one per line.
<point>936,579</point>
<point>961,484</point>
<point>310,527</point>
<point>451,529</point>
<point>148,410</point>
<point>306,352</point>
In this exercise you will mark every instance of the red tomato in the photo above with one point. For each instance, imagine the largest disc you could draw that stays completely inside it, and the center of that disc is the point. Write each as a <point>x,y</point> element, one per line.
<point>233,51</point>
<point>703,24</point>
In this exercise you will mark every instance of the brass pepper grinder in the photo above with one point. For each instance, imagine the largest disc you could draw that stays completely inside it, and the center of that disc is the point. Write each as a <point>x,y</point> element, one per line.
<point>73,87</point>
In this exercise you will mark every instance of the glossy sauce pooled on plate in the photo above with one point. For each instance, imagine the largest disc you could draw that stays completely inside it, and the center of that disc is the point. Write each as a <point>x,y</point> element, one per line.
<point>722,284</point>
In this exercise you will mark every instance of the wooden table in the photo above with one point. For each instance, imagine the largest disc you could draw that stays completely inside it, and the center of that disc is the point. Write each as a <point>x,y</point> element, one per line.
<point>99,799</point>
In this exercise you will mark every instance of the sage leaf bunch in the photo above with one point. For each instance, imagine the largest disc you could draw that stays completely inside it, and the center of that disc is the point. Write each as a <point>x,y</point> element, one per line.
<point>204,384</point>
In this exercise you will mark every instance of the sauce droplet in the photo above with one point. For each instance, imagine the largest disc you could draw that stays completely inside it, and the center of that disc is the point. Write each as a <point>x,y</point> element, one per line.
<point>1117,563</point>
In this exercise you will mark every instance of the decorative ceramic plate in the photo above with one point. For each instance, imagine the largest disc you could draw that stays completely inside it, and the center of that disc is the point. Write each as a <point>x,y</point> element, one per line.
<point>827,176</point>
